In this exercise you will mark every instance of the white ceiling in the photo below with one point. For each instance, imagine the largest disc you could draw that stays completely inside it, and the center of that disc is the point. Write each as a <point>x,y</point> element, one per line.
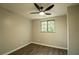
<point>24,9</point>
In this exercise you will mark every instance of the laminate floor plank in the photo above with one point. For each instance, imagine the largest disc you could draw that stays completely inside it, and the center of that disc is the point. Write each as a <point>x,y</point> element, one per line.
<point>35,49</point>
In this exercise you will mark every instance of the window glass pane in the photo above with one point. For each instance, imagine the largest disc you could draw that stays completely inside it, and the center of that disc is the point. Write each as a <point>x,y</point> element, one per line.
<point>44,26</point>
<point>51,26</point>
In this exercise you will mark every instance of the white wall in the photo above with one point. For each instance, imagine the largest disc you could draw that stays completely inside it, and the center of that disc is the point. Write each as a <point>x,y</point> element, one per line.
<point>15,31</point>
<point>73,24</point>
<point>57,39</point>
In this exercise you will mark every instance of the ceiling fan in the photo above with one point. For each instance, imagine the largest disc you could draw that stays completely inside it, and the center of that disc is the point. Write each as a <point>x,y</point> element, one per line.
<point>41,11</point>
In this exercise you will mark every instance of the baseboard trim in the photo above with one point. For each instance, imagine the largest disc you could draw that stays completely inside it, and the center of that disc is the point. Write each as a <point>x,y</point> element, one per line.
<point>16,49</point>
<point>49,45</point>
<point>34,43</point>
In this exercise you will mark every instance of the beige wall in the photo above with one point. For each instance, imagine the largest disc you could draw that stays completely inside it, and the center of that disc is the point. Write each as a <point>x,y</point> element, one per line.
<point>73,24</point>
<point>57,39</point>
<point>15,31</point>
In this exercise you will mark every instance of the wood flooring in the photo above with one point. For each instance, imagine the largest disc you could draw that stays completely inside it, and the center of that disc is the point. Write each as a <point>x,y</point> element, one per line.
<point>35,49</point>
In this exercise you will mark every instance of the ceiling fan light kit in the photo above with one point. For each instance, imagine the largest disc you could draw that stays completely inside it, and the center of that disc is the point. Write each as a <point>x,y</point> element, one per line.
<point>41,11</point>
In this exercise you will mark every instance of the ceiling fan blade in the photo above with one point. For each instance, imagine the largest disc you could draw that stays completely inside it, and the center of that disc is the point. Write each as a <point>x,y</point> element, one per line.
<point>48,13</point>
<point>49,7</point>
<point>34,12</point>
<point>37,6</point>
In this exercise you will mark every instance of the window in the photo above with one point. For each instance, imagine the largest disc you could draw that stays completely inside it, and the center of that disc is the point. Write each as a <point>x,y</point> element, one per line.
<point>48,26</point>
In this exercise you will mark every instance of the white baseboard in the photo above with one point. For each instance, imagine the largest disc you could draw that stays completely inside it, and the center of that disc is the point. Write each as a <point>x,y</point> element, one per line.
<point>30,43</point>
<point>49,45</point>
<point>16,49</point>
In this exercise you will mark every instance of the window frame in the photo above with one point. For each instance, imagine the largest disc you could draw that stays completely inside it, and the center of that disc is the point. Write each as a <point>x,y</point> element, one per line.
<point>47,26</point>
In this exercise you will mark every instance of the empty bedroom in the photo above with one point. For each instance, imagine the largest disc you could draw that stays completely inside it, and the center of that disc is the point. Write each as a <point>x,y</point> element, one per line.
<point>38,28</point>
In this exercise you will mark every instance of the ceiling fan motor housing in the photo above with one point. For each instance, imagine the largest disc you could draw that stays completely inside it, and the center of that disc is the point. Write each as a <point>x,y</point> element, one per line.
<point>41,8</point>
